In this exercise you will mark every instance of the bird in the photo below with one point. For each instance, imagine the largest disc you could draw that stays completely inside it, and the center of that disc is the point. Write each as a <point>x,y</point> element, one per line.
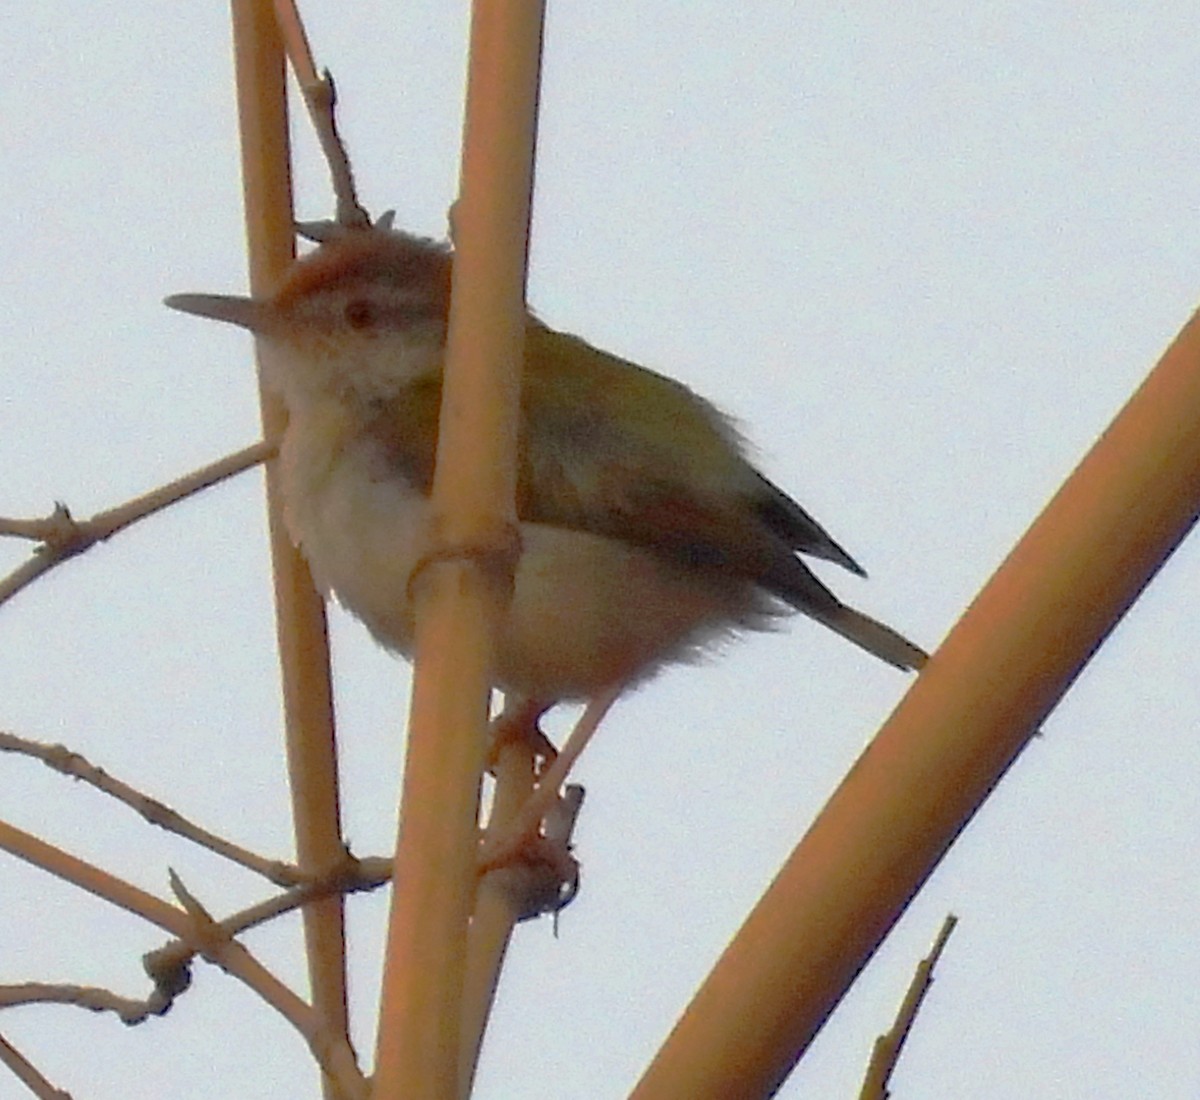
<point>647,536</point>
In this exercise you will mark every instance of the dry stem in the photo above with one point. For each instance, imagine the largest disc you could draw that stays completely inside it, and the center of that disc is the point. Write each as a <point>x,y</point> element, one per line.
<point>64,760</point>
<point>205,937</point>
<point>886,1052</point>
<point>300,612</point>
<point>62,537</point>
<point>27,1074</point>
<point>169,965</point>
<point>1004,666</point>
<point>458,599</point>
<point>320,96</point>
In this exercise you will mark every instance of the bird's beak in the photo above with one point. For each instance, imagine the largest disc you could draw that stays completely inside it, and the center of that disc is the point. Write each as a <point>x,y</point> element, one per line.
<point>248,313</point>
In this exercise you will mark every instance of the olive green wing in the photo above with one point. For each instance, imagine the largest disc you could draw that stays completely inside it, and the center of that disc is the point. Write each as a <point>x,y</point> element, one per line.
<point>612,448</point>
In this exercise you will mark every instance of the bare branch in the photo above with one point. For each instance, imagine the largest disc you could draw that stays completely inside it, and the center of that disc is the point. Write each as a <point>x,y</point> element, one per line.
<point>321,99</point>
<point>64,760</point>
<point>93,998</point>
<point>295,42</point>
<point>27,1074</point>
<point>320,96</point>
<point>332,1051</point>
<point>169,966</point>
<point>886,1052</point>
<point>350,877</point>
<point>24,575</point>
<point>86,876</point>
<point>58,527</point>
<point>62,537</point>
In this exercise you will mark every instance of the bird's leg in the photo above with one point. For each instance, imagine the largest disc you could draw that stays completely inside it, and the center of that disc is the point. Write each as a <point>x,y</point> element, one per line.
<point>518,721</point>
<point>498,850</point>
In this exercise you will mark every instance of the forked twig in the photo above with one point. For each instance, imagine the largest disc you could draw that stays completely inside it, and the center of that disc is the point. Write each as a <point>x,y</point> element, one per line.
<point>169,966</point>
<point>352,876</point>
<point>332,1050</point>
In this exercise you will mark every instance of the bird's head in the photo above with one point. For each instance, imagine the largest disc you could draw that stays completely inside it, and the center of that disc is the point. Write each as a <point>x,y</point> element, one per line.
<point>361,316</point>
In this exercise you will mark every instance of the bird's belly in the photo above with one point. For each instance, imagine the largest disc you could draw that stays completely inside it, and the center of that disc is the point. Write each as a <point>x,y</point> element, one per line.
<point>586,611</point>
<point>589,612</point>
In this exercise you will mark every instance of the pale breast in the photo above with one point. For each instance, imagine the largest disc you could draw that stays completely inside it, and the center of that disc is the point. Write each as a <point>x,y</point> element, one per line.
<point>360,527</point>
<point>587,611</point>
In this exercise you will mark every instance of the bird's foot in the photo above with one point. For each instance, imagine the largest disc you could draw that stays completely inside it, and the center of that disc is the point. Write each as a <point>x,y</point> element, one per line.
<point>519,724</point>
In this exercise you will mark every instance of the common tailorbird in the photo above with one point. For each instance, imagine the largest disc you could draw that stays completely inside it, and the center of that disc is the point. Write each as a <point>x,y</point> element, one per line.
<point>646,534</point>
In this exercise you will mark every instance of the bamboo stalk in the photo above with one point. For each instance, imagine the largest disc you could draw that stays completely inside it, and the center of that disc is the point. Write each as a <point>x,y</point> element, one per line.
<point>300,612</point>
<point>461,586</point>
<point>1011,657</point>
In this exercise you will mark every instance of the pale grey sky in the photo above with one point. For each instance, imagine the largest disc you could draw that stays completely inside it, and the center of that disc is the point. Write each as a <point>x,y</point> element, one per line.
<point>923,255</point>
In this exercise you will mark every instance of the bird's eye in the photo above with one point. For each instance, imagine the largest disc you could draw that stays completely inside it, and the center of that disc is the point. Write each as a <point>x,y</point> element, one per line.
<point>359,313</point>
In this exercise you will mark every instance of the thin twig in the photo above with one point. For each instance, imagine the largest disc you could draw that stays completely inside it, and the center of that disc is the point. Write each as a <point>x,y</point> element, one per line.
<point>886,1052</point>
<point>127,1009</point>
<point>351,877</point>
<point>58,526</point>
<point>320,96</point>
<point>26,573</point>
<point>86,876</point>
<point>332,1051</point>
<point>64,760</point>
<point>500,848</point>
<point>27,1074</point>
<point>169,965</point>
<point>544,880</point>
<point>321,99</point>
<point>295,42</point>
<point>61,537</point>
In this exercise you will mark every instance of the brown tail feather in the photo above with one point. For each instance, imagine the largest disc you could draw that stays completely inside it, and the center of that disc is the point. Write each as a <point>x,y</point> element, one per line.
<point>877,639</point>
